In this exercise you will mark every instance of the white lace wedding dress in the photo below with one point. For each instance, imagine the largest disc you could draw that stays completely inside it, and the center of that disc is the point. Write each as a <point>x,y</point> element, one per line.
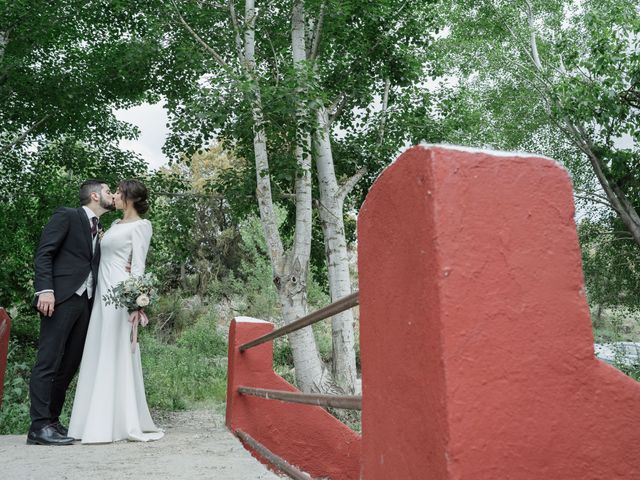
<point>110,402</point>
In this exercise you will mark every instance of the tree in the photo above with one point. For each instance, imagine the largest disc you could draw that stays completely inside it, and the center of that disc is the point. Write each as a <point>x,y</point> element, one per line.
<point>276,84</point>
<point>375,48</point>
<point>197,48</point>
<point>198,240</point>
<point>558,78</point>
<point>578,63</point>
<point>65,65</point>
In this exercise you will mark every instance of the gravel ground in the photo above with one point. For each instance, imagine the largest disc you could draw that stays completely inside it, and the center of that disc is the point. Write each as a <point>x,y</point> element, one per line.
<point>196,446</point>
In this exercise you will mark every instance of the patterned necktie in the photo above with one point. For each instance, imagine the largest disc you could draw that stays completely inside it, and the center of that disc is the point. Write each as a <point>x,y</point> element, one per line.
<point>94,226</point>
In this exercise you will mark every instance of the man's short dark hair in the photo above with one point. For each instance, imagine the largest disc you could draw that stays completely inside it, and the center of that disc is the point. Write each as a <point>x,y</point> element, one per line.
<point>87,188</point>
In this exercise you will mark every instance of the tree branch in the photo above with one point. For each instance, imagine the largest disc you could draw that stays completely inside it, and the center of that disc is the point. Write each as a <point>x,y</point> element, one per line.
<point>595,200</point>
<point>197,37</point>
<point>186,194</point>
<point>4,40</point>
<point>313,54</point>
<point>534,44</point>
<point>346,188</point>
<point>275,59</point>
<point>337,107</point>
<point>593,194</point>
<point>616,196</point>
<point>20,138</point>
<point>236,28</point>
<point>385,105</point>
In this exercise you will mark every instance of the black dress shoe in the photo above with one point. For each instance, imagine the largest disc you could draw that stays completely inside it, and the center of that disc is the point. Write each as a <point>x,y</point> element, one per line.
<point>61,429</point>
<point>47,436</point>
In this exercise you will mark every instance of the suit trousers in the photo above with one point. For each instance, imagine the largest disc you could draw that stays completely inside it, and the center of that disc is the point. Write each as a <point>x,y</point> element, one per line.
<point>62,337</point>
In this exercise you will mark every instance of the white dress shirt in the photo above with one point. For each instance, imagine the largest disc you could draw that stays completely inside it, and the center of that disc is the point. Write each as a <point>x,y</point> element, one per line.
<point>88,283</point>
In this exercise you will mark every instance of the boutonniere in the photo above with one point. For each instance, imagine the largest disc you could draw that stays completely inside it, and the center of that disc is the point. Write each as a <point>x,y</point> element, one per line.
<point>100,232</point>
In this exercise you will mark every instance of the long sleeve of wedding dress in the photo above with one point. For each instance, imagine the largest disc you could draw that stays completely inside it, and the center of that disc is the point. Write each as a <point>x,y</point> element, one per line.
<point>110,402</point>
<point>141,238</point>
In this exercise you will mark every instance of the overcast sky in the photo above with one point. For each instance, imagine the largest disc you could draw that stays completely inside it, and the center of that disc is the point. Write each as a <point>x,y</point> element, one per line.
<point>152,122</point>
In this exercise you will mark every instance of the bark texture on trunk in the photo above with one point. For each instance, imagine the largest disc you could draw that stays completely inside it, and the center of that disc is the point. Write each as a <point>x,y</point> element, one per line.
<point>289,269</point>
<point>4,40</point>
<point>331,215</point>
<point>313,375</point>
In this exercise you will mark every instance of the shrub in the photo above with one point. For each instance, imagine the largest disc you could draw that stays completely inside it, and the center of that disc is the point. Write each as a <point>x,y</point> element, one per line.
<point>192,370</point>
<point>14,412</point>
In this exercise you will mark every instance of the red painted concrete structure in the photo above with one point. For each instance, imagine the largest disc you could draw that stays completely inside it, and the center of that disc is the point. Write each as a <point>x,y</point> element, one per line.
<point>5,328</point>
<point>476,342</point>
<point>306,436</point>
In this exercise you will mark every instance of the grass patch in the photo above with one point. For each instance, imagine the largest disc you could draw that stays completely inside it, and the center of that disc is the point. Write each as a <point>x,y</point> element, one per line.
<point>190,371</point>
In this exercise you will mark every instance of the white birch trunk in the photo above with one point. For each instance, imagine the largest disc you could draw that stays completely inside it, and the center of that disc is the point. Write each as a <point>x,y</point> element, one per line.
<point>290,270</point>
<point>305,352</point>
<point>263,179</point>
<point>4,40</point>
<point>331,215</point>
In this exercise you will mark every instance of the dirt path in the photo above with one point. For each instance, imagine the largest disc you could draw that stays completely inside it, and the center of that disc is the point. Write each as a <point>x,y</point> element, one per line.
<point>196,446</point>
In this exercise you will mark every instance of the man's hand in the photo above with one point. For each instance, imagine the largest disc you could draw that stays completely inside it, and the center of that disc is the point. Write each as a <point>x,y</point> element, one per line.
<point>46,302</point>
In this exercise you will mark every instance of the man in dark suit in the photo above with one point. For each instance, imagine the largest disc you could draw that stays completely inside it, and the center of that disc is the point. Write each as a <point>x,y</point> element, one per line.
<point>66,272</point>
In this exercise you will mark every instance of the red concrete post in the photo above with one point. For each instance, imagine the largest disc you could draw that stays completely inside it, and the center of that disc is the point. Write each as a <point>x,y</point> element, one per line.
<point>5,328</point>
<point>305,436</point>
<point>476,342</point>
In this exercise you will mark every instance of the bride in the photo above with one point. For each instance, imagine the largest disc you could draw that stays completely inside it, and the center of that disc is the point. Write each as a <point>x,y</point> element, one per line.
<point>110,402</point>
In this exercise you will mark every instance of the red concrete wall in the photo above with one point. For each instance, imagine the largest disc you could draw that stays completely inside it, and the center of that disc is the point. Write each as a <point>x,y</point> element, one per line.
<point>5,328</point>
<point>306,436</point>
<point>476,342</point>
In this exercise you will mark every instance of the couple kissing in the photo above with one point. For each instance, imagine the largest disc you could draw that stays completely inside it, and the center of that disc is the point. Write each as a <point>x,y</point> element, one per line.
<point>76,264</point>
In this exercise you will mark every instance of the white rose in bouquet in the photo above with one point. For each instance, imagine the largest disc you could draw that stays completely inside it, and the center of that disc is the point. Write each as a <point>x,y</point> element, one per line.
<point>133,293</point>
<point>142,300</point>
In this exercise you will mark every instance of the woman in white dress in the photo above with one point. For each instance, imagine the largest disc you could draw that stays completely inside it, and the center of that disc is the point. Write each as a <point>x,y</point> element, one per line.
<point>110,402</point>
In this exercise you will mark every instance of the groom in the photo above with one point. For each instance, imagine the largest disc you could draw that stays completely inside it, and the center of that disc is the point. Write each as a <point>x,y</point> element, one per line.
<point>66,272</point>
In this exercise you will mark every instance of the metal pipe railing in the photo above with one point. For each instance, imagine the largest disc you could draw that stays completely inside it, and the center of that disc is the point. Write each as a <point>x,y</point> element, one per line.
<point>350,402</point>
<point>280,463</point>
<point>336,307</point>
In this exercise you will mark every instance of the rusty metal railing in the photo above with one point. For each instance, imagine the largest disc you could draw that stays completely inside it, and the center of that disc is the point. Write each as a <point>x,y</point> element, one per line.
<point>336,307</point>
<point>350,402</point>
<point>272,458</point>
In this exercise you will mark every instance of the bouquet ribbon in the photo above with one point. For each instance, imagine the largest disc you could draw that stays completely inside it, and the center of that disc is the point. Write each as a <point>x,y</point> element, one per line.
<point>142,319</point>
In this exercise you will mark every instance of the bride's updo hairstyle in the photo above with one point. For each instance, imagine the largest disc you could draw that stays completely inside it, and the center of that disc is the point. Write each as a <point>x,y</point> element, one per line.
<point>135,193</point>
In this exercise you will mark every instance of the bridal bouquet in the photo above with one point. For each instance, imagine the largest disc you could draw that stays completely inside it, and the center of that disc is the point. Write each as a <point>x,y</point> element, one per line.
<point>134,293</point>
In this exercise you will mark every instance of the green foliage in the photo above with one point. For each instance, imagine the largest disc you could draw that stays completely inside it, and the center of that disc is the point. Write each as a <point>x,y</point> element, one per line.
<point>611,263</point>
<point>256,273</point>
<point>578,105</point>
<point>65,65</point>
<point>170,316</point>
<point>191,370</point>
<point>14,412</point>
<point>360,46</point>
<point>632,371</point>
<point>32,186</point>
